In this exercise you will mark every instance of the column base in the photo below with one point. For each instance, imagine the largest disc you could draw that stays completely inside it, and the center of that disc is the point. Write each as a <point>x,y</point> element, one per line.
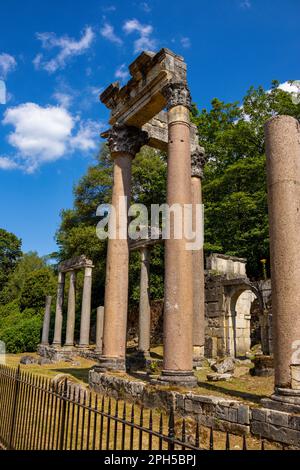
<point>68,348</point>
<point>83,346</point>
<point>283,399</point>
<point>56,346</point>
<point>110,363</point>
<point>177,377</point>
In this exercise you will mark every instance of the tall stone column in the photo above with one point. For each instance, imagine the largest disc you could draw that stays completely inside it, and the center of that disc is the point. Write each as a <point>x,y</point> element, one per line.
<point>59,309</point>
<point>84,341</point>
<point>71,311</point>
<point>46,323</point>
<point>144,307</point>
<point>283,175</point>
<point>178,311</point>
<point>99,330</point>
<point>124,142</point>
<point>198,162</point>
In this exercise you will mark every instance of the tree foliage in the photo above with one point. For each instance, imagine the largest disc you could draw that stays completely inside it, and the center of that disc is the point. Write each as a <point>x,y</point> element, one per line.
<point>234,187</point>
<point>10,252</point>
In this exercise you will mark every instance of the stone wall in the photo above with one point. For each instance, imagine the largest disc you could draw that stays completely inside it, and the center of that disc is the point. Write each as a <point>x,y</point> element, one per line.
<point>216,412</point>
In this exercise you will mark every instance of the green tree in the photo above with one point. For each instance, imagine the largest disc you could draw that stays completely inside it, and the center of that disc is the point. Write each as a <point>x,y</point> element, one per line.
<point>28,263</point>
<point>234,187</point>
<point>10,252</point>
<point>37,285</point>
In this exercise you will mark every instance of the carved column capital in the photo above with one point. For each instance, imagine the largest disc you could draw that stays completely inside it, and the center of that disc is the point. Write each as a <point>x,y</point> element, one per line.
<point>198,159</point>
<point>126,139</point>
<point>177,94</point>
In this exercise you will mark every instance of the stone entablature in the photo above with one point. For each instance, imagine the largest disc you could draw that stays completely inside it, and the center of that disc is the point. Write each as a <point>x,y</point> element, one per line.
<point>157,130</point>
<point>76,263</point>
<point>150,72</point>
<point>224,264</point>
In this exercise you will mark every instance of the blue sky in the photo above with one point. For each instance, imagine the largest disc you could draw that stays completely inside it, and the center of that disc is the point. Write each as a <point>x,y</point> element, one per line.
<point>57,55</point>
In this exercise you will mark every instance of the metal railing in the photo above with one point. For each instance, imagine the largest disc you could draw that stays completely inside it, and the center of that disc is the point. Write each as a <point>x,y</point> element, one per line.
<point>37,413</point>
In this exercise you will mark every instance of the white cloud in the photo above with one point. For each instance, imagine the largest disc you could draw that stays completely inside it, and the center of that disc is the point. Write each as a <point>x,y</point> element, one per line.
<point>289,87</point>
<point>109,9</point>
<point>145,6</point>
<point>85,139</point>
<point>7,64</point>
<point>7,164</point>
<point>186,42</point>
<point>144,42</point>
<point>245,4</point>
<point>108,32</point>
<point>46,134</point>
<point>122,72</point>
<point>69,48</point>
<point>63,99</point>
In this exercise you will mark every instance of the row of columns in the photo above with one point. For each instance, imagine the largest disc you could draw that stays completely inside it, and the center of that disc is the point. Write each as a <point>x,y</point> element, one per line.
<point>179,314</point>
<point>71,312</point>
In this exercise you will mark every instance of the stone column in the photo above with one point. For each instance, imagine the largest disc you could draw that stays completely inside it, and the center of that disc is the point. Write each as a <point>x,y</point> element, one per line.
<point>99,330</point>
<point>124,142</point>
<point>198,162</point>
<point>178,310</point>
<point>59,309</point>
<point>71,311</point>
<point>84,341</point>
<point>144,307</point>
<point>283,174</point>
<point>46,323</point>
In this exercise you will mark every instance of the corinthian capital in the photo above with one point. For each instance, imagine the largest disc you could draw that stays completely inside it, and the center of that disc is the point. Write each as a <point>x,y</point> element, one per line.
<point>126,139</point>
<point>199,159</point>
<point>177,94</point>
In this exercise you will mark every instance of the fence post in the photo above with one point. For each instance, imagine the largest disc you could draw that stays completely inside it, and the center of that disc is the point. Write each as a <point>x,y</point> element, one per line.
<point>171,433</point>
<point>14,409</point>
<point>63,414</point>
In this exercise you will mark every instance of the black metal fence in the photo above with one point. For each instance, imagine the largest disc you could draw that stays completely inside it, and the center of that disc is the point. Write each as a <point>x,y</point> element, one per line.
<point>39,414</point>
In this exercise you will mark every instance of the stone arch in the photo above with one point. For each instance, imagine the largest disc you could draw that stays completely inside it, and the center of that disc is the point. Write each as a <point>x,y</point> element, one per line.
<point>238,299</point>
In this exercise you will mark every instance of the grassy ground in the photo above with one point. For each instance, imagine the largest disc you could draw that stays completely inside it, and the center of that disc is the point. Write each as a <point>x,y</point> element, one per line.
<point>242,386</point>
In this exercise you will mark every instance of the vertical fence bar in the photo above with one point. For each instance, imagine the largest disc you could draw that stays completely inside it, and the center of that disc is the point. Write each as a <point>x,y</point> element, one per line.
<point>131,428</point>
<point>20,409</point>
<point>47,402</point>
<point>123,427</point>
<point>83,421</point>
<point>108,425</point>
<point>161,424</point>
<point>141,431</point>
<point>101,424</point>
<point>62,423</point>
<point>95,423</point>
<point>197,436</point>
<point>15,407</point>
<point>171,433</point>
<point>72,395</point>
<point>211,439</point>
<point>227,441</point>
<point>150,428</point>
<point>116,426</point>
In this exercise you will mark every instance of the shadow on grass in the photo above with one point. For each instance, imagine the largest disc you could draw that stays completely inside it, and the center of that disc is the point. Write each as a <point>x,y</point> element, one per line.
<point>232,393</point>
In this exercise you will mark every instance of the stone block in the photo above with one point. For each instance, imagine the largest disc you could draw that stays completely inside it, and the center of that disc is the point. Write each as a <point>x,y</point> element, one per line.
<point>276,433</point>
<point>259,414</point>
<point>243,414</point>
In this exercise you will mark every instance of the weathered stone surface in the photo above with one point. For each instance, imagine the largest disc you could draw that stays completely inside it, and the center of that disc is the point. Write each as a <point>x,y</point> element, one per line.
<point>157,130</point>
<point>141,98</point>
<point>26,360</point>
<point>218,377</point>
<point>227,365</point>
<point>275,433</point>
<point>77,262</point>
